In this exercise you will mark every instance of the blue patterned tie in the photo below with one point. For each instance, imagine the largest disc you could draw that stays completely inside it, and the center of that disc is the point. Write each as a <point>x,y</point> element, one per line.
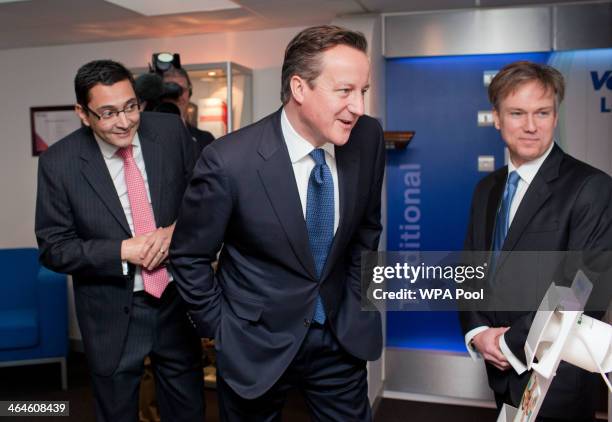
<point>320,218</point>
<point>502,222</point>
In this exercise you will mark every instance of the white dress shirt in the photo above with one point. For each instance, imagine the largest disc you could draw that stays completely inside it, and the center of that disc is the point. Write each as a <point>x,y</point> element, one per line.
<point>527,172</point>
<point>114,164</point>
<point>302,164</point>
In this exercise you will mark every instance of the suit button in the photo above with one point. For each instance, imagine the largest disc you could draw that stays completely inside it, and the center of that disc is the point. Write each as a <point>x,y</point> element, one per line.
<point>126,310</point>
<point>306,322</point>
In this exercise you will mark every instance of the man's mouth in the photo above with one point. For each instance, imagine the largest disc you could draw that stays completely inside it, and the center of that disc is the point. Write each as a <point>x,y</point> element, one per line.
<point>122,134</point>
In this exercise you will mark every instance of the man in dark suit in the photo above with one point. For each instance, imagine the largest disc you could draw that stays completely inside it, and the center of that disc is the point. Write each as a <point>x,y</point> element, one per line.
<point>294,199</point>
<point>543,200</point>
<point>180,77</point>
<point>108,196</point>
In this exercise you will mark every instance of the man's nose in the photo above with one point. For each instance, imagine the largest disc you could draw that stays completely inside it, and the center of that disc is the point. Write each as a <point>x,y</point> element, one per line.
<point>530,124</point>
<point>122,119</point>
<point>357,105</point>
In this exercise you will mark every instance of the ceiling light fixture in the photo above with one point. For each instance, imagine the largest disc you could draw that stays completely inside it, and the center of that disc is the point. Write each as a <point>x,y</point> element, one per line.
<point>170,7</point>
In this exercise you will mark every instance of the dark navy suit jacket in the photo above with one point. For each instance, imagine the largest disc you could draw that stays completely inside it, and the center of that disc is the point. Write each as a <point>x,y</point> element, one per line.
<point>243,197</point>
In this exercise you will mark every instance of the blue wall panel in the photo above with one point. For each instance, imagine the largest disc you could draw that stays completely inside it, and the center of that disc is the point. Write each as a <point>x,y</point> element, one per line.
<point>439,98</point>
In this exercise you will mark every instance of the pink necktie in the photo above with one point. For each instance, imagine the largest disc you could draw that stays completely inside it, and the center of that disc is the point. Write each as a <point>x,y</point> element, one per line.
<point>142,214</point>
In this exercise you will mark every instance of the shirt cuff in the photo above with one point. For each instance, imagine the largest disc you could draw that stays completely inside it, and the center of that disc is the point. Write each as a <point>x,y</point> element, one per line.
<point>518,366</point>
<point>468,338</point>
<point>125,268</point>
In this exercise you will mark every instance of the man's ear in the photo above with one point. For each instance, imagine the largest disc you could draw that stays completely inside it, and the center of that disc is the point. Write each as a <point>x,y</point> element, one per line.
<point>298,87</point>
<point>83,115</point>
<point>496,118</point>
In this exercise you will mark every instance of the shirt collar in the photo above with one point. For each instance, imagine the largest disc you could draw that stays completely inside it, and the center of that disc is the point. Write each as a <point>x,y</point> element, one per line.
<point>529,170</point>
<point>297,146</point>
<point>108,150</point>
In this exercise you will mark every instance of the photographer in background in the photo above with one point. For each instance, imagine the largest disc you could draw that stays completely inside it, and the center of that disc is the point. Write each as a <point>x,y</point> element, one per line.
<point>168,85</point>
<point>180,77</point>
<point>155,95</point>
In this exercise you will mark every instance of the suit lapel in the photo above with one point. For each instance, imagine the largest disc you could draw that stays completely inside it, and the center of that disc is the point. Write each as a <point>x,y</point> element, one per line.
<point>96,173</point>
<point>348,178</point>
<point>536,195</point>
<point>152,156</point>
<point>276,174</point>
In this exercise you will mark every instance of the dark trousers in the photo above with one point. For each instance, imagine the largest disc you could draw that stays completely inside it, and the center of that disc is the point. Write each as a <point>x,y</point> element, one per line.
<point>334,385</point>
<point>158,328</point>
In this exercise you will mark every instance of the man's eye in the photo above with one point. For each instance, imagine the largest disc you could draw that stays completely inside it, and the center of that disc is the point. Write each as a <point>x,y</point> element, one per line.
<point>516,113</point>
<point>107,114</point>
<point>131,107</point>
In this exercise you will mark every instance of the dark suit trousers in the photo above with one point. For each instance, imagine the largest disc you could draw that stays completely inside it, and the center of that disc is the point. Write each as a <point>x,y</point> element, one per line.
<point>333,382</point>
<point>158,328</point>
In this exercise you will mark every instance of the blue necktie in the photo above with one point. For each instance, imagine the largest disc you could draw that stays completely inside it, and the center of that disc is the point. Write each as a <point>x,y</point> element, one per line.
<point>320,218</point>
<point>502,222</point>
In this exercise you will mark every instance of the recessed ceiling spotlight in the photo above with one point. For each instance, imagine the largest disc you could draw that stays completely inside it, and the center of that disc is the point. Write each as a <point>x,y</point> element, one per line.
<point>170,7</point>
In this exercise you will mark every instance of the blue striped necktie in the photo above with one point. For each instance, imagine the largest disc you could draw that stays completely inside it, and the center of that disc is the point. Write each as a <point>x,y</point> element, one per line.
<point>320,218</point>
<point>502,223</point>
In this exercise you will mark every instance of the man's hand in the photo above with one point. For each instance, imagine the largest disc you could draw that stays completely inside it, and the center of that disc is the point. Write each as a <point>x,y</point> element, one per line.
<point>487,344</point>
<point>155,248</point>
<point>131,249</point>
<point>148,250</point>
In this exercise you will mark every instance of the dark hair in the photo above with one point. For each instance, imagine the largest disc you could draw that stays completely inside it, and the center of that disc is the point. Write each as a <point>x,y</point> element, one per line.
<point>166,107</point>
<point>179,71</point>
<point>105,72</point>
<point>302,55</point>
<point>511,76</point>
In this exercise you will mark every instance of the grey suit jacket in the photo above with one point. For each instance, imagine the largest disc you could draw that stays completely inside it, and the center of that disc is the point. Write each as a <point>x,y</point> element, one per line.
<point>80,224</point>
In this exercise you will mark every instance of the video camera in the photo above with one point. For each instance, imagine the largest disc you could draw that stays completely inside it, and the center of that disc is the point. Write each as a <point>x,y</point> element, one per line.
<point>151,89</point>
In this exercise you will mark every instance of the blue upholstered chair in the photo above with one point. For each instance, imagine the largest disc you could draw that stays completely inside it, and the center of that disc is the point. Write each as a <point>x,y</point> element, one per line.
<point>33,312</point>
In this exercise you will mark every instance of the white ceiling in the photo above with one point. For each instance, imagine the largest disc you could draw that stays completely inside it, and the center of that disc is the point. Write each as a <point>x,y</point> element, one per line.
<point>49,22</point>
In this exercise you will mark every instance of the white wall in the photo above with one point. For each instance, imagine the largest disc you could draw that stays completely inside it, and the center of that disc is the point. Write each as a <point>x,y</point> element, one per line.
<point>44,76</point>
